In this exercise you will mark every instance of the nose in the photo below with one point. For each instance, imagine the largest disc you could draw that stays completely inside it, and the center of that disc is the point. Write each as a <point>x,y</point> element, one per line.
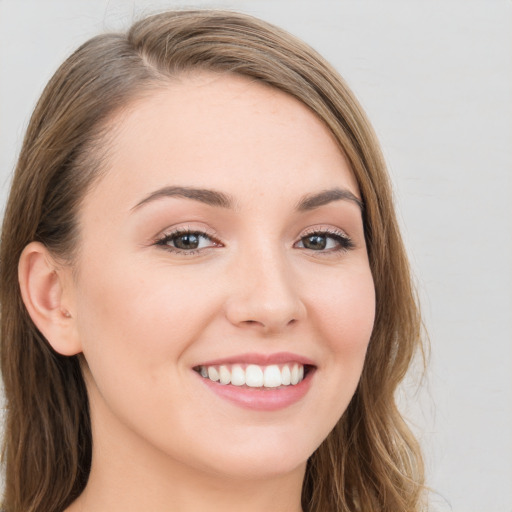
<point>265,296</point>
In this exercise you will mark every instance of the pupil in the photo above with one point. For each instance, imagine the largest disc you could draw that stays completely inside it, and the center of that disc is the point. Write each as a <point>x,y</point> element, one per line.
<point>315,242</point>
<point>188,241</point>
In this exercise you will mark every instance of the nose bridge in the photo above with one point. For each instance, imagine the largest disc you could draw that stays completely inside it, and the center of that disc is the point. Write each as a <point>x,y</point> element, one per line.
<point>265,293</point>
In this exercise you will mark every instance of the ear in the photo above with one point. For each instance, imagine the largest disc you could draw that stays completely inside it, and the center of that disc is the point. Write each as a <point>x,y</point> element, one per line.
<point>46,292</point>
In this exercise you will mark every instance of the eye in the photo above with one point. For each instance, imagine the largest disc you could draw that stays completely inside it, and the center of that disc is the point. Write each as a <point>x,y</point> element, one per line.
<point>325,241</point>
<point>187,241</point>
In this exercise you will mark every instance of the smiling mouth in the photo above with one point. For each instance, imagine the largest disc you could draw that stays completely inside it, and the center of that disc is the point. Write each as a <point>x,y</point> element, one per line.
<point>255,376</point>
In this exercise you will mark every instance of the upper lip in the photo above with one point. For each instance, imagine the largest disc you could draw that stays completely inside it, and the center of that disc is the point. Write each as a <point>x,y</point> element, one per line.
<point>260,359</point>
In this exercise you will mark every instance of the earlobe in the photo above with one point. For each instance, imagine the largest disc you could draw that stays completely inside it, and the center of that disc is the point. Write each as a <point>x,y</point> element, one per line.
<point>44,290</point>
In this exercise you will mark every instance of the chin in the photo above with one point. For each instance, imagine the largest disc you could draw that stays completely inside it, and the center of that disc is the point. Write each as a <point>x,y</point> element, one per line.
<point>261,467</point>
<point>267,456</point>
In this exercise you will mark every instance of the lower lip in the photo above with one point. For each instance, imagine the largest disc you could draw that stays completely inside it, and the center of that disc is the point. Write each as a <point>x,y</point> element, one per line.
<point>261,399</point>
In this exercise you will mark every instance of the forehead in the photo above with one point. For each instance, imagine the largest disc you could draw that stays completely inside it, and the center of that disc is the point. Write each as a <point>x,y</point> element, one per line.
<point>224,132</point>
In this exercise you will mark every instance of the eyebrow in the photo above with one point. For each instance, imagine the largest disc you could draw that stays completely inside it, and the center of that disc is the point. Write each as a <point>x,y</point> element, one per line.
<point>222,200</point>
<point>207,196</point>
<point>312,201</point>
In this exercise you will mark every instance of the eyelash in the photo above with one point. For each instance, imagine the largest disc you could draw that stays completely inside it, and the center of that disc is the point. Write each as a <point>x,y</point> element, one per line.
<point>343,241</point>
<point>169,237</point>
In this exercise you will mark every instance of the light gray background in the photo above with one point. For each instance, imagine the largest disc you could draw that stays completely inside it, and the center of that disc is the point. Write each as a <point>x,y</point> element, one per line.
<point>436,80</point>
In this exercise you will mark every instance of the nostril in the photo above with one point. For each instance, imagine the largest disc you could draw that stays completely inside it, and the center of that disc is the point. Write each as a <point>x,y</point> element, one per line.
<point>251,322</point>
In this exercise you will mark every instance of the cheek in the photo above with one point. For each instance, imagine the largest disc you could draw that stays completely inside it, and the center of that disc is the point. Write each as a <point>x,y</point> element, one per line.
<point>345,312</point>
<point>134,330</point>
<point>137,328</point>
<point>345,316</point>
<point>147,310</point>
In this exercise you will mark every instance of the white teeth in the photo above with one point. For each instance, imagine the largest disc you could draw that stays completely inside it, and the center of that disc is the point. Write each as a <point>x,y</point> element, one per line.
<point>213,374</point>
<point>224,375</point>
<point>286,376</point>
<point>272,376</point>
<point>254,376</point>
<point>237,375</point>
<point>294,379</point>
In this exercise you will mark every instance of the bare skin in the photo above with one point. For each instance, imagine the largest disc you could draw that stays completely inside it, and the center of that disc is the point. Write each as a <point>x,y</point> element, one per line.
<point>274,270</point>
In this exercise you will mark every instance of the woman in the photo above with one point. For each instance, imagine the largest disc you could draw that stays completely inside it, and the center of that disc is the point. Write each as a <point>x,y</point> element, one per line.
<point>205,298</point>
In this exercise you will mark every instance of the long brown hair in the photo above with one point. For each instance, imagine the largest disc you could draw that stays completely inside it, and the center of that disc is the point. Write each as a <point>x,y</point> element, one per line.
<point>370,461</point>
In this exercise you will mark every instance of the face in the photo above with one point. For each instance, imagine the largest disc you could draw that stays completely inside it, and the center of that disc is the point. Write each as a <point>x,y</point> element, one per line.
<point>223,296</point>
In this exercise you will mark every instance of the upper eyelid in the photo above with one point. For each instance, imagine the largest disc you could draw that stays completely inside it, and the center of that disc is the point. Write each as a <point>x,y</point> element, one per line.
<point>324,230</point>
<point>211,234</point>
<point>170,232</point>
